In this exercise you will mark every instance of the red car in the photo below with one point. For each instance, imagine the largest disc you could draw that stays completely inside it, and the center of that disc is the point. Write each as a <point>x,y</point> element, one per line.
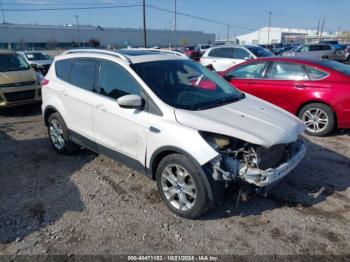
<point>317,91</point>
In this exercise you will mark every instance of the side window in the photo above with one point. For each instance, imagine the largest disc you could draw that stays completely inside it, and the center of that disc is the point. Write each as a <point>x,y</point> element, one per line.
<point>248,71</point>
<point>315,74</point>
<point>63,68</point>
<point>222,52</point>
<point>314,48</point>
<point>286,71</point>
<point>115,81</point>
<point>326,47</point>
<point>240,53</point>
<point>83,74</point>
<point>304,49</point>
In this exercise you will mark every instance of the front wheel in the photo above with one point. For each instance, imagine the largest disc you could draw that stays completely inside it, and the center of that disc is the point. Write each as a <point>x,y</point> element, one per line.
<point>181,186</point>
<point>318,118</point>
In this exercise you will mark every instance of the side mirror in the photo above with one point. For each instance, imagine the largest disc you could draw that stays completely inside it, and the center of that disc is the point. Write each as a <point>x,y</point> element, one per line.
<point>247,58</point>
<point>34,66</point>
<point>130,101</point>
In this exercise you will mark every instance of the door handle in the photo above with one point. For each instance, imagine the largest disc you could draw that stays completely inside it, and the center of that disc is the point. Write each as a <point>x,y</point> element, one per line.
<point>101,107</point>
<point>64,92</point>
<point>251,83</point>
<point>299,86</point>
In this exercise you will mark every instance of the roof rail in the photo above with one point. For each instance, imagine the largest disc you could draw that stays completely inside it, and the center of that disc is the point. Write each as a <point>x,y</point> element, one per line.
<point>164,51</point>
<point>97,51</point>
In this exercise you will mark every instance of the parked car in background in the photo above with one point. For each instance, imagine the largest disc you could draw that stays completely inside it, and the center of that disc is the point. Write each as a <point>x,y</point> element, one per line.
<point>317,91</point>
<point>38,60</point>
<point>223,57</point>
<point>284,49</point>
<point>203,48</point>
<point>18,81</point>
<point>149,111</point>
<point>318,51</point>
<point>346,54</point>
<point>192,52</point>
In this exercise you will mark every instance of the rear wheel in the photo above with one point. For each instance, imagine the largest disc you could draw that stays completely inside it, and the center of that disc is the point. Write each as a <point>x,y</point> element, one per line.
<point>181,186</point>
<point>58,135</point>
<point>318,118</point>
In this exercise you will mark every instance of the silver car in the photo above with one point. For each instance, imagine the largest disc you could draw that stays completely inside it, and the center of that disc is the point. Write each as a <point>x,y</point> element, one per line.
<point>317,51</point>
<point>40,61</point>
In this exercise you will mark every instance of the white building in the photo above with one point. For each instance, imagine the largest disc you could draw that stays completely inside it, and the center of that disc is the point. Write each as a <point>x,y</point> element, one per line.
<point>278,35</point>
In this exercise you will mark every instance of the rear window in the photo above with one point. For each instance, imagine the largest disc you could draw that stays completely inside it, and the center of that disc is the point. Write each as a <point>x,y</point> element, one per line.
<point>63,69</point>
<point>12,62</point>
<point>260,52</point>
<point>315,74</point>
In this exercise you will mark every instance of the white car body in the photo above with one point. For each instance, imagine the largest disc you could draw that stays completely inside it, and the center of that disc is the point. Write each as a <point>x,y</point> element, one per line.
<point>137,137</point>
<point>233,54</point>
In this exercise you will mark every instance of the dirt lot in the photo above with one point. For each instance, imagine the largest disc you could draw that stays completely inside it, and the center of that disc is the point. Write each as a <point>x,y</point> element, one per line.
<point>88,204</point>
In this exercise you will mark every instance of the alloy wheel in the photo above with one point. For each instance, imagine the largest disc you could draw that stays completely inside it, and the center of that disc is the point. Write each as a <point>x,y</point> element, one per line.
<point>315,119</point>
<point>178,187</point>
<point>56,134</point>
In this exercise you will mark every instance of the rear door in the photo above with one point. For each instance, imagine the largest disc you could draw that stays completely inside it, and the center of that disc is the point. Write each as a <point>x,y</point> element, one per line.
<point>75,87</point>
<point>284,84</point>
<point>222,58</point>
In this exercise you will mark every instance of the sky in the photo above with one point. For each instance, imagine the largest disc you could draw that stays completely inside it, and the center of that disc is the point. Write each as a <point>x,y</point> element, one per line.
<point>244,15</point>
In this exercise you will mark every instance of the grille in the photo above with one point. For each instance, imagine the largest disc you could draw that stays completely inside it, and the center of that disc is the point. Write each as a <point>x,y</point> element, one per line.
<point>18,84</point>
<point>20,96</point>
<point>271,157</point>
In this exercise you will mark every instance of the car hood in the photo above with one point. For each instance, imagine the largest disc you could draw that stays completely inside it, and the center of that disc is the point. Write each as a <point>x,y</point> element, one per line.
<point>17,76</point>
<point>251,119</point>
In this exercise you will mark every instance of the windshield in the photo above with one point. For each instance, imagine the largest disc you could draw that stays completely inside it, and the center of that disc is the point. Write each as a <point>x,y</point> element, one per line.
<point>186,85</point>
<point>12,62</point>
<point>342,68</point>
<point>37,56</point>
<point>260,52</point>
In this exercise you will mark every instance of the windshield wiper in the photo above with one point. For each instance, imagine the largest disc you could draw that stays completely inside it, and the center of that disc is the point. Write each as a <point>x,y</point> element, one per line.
<point>223,101</point>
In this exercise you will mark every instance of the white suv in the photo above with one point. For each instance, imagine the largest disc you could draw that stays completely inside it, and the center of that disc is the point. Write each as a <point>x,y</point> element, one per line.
<point>171,119</point>
<point>223,57</point>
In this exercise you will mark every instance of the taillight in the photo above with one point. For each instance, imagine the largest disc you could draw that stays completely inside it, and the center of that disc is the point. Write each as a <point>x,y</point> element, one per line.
<point>44,82</point>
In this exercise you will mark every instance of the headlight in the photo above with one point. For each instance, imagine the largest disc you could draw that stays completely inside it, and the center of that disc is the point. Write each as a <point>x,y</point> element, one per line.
<point>217,141</point>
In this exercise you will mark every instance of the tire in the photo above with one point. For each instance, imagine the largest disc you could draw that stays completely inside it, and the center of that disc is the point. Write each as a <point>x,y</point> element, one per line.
<point>59,136</point>
<point>186,195</point>
<point>319,119</point>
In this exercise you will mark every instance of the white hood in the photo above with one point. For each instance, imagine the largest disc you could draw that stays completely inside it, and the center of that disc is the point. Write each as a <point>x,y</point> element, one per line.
<point>251,119</point>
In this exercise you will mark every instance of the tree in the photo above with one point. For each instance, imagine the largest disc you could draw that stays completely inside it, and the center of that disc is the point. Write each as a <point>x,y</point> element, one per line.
<point>94,42</point>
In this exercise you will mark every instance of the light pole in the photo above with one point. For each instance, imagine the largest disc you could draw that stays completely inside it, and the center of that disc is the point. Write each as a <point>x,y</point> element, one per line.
<point>228,33</point>
<point>175,24</point>
<point>268,32</point>
<point>144,25</point>
<point>77,20</point>
<point>3,13</point>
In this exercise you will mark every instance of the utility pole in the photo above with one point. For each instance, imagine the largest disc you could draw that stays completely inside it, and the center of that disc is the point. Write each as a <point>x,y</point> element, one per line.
<point>144,25</point>
<point>268,32</point>
<point>77,20</point>
<point>338,33</point>
<point>318,26</point>
<point>234,37</point>
<point>3,13</point>
<point>228,33</point>
<point>175,24</point>
<point>169,35</point>
<point>322,27</point>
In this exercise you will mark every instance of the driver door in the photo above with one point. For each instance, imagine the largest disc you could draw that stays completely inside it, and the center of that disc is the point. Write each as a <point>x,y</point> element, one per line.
<point>118,131</point>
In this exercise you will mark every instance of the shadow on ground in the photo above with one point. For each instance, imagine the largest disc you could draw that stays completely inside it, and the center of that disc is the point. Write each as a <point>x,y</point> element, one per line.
<point>21,111</point>
<point>35,185</point>
<point>321,174</point>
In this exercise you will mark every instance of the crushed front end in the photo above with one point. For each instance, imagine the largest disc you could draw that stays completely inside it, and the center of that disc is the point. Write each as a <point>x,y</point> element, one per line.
<point>260,167</point>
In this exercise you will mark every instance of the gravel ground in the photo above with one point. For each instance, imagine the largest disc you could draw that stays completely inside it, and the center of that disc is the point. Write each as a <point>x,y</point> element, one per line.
<point>89,204</point>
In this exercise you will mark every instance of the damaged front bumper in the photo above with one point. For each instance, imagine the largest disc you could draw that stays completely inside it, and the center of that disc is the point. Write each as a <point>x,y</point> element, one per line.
<point>265,178</point>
